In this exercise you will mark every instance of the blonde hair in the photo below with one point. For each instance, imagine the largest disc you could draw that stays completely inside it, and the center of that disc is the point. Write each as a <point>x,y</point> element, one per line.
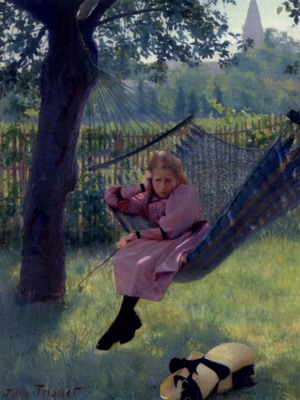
<point>166,160</point>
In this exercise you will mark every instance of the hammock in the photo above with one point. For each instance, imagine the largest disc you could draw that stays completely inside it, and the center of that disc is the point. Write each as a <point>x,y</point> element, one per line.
<point>240,189</point>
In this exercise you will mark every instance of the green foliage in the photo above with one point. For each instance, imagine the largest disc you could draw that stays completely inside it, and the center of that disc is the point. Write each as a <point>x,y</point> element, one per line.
<point>169,30</point>
<point>281,41</point>
<point>122,43</point>
<point>87,217</point>
<point>193,103</point>
<point>17,29</point>
<point>10,134</point>
<point>180,105</point>
<point>19,98</point>
<point>292,69</point>
<point>141,96</point>
<point>258,83</point>
<point>8,209</point>
<point>260,138</point>
<point>129,31</point>
<point>292,7</point>
<point>17,108</point>
<point>153,72</point>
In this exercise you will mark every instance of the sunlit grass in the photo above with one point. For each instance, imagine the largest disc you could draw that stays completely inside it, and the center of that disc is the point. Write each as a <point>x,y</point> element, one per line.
<point>253,298</point>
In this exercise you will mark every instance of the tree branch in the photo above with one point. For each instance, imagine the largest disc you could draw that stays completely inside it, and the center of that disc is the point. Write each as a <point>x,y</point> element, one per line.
<point>90,23</point>
<point>86,8</point>
<point>45,11</point>
<point>30,6</point>
<point>130,14</point>
<point>33,7</point>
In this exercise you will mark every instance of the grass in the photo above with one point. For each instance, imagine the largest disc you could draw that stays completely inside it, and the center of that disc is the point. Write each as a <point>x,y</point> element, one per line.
<point>252,298</point>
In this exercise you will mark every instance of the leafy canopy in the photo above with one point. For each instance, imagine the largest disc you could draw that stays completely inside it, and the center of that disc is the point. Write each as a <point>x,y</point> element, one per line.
<point>185,30</point>
<point>292,7</point>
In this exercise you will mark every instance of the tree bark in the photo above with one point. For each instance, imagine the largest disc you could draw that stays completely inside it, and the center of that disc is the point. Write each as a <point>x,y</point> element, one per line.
<point>67,76</point>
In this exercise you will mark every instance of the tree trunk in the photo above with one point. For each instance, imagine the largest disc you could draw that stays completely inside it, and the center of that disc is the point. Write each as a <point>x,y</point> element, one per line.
<point>66,79</point>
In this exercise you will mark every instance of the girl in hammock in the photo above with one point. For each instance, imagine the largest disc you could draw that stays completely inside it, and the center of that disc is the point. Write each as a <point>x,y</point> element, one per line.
<point>148,259</point>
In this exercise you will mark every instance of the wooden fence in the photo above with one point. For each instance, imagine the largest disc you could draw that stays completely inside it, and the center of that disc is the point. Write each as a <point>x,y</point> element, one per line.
<point>252,133</point>
<point>16,146</point>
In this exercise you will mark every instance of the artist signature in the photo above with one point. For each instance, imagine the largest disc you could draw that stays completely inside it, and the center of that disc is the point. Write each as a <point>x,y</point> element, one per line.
<point>41,391</point>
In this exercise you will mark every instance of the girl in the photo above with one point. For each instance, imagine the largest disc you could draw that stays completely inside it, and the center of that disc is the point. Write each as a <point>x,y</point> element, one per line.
<point>149,259</point>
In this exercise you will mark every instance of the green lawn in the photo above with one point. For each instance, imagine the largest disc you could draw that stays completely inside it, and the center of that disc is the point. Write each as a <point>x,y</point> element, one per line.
<point>253,297</point>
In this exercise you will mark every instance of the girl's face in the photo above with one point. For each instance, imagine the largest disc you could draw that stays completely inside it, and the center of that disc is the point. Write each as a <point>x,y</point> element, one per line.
<point>163,182</point>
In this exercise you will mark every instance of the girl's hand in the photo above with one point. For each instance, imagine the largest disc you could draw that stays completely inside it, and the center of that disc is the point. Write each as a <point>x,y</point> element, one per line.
<point>126,239</point>
<point>115,187</point>
<point>148,180</point>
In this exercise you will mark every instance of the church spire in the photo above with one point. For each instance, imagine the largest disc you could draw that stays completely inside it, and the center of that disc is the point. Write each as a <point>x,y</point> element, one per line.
<point>253,28</point>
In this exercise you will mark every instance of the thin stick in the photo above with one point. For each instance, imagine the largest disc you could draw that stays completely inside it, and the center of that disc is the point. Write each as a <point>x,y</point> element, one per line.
<point>90,273</point>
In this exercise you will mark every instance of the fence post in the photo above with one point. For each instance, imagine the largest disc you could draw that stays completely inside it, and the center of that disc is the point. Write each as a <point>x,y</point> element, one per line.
<point>236,135</point>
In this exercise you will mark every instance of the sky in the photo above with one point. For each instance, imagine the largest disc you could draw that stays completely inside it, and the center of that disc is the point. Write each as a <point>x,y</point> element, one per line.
<point>268,13</point>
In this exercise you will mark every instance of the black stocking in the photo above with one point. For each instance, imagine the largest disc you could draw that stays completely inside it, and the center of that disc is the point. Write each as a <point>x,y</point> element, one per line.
<point>128,304</point>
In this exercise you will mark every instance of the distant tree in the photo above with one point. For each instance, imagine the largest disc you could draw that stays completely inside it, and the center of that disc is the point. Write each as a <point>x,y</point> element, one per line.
<point>141,97</point>
<point>193,103</point>
<point>180,104</point>
<point>269,42</point>
<point>218,94</point>
<point>243,90</point>
<point>281,41</point>
<point>269,61</point>
<point>204,106</point>
<point>152,95</point>
<point>266,89</point>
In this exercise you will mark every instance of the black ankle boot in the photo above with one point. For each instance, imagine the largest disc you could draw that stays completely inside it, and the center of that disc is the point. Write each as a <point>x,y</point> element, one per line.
<point>133,324</point>
<point>122,330</point>
<point>106,341</point>
<point>112,335</point>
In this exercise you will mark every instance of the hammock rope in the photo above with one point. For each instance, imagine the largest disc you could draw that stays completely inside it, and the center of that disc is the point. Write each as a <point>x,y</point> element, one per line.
<point>118,105</point>
<point>129,96</point>
<point>157,139</point>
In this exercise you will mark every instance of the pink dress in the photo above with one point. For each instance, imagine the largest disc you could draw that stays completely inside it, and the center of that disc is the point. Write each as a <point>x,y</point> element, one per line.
<point>145,267</point>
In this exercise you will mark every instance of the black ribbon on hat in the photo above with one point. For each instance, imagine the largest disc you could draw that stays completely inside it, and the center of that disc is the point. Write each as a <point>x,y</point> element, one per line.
<point>190,389</point>
<point>221,370</point>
